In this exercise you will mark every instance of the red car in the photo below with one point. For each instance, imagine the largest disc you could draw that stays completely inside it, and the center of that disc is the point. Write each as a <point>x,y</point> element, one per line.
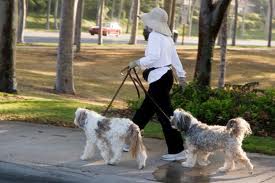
<point>111,28</point>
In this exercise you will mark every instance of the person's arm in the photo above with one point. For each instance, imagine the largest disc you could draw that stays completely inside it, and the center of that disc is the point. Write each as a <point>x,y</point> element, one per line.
<point>153,51</point>
<point>176,63</point>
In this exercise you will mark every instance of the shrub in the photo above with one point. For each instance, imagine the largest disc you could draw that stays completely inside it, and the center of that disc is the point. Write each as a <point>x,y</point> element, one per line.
<point>217,106</point>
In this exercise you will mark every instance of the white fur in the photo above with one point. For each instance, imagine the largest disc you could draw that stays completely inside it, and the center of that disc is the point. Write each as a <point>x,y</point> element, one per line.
<point>110,138</point>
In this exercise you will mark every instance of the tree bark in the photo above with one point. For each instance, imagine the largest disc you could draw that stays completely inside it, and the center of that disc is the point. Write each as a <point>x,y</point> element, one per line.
<point>191,17</point>
<point>130,17</point>
<point>172,18</point>
<point>134,31</point>
<point>21,20</point>
<point>98,11</point>
<point>78,24</point>
<point>211,16</point>
<point>56,15</point>
<point>156,3</point>
<point>102,4</point>
<point>235,25</point>
<point>120,9</point>
<point>8,24</point>
<point>113,9</point>
<point>223,43</point>
<point>270,23</point>
<point>48,14</point>
<point>168,9</point>
<point>64,69</point>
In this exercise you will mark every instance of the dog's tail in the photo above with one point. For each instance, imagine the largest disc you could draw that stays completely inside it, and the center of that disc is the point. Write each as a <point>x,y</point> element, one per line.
<point>137,149</point>
<point>239,128</point>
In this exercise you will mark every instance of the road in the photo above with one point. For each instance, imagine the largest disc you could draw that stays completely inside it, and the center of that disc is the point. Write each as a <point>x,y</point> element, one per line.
<point>52,37</point>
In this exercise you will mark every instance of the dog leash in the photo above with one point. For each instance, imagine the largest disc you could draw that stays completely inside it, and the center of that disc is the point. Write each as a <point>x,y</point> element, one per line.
<point>122,83</point>
<point>136,81</point>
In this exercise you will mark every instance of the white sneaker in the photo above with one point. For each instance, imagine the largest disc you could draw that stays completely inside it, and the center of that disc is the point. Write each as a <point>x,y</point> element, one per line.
<point>174,157</point>
<point>126,148</point>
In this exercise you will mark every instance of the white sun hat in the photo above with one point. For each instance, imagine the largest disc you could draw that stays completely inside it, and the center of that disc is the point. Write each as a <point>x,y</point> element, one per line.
<point>157,20</point>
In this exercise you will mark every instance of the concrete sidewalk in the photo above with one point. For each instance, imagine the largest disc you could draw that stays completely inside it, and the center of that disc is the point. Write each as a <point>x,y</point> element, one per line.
<point>42,153</point>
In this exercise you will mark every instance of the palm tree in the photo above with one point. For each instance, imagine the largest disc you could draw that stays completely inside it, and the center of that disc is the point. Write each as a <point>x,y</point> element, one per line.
<point>64,69</point>
<point>8,45</point>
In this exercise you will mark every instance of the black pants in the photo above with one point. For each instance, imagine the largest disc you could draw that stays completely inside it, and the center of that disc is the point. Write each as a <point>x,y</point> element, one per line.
<point>159,91</point>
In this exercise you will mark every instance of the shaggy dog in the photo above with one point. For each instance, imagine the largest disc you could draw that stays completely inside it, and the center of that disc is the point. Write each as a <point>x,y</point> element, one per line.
<point>202,140</point>
<point>109,135</point>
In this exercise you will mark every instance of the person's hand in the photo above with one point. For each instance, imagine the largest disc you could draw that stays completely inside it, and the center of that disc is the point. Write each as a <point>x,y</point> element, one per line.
<point>182,83</point>
<point>133,64</point>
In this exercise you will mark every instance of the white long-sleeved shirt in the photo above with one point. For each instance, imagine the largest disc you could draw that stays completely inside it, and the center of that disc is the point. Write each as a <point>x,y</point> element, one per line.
<point>160,52</point>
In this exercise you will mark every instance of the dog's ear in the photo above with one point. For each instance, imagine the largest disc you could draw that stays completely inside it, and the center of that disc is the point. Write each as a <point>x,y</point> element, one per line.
<point>233,126</point>
<point>181,123</point>
<point>81,118</point>
<point>187,121</point>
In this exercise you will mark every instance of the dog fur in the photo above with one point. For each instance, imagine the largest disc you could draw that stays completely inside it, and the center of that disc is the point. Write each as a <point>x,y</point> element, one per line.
<point>109,135</point>
<point>202,140</point>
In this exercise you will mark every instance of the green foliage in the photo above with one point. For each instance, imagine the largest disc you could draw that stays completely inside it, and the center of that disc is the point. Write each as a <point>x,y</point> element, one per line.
<point>217,106</point>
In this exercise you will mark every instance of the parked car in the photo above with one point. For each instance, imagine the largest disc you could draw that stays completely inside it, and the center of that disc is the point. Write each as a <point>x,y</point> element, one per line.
<point>110,28</point>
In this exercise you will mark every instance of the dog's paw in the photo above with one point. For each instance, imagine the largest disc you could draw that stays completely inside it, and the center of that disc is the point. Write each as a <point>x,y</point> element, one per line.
<point>187,165</point>
<point>204,163</point>
<point>140,167</point>
<point>83,157</point>
<point>223,169</point>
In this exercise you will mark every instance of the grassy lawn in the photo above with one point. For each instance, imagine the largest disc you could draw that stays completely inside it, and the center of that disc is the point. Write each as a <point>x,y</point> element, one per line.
<point>97,76</point>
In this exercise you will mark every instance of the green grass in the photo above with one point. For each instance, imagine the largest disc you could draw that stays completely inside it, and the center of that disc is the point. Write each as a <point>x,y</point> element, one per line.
<point>39,110</point>
<point>265,145</point>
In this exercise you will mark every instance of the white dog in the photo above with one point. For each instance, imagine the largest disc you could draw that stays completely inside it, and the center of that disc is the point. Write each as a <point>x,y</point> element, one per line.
<point>109,135</point>
<point>201,140</point>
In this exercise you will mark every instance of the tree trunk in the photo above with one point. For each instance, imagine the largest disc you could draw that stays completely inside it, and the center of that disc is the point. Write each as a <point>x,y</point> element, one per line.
<point>21,20</point>
<point>100,33</point>
<point>156,3</point>
<point>120,9</point>
<point>191,16</point>
<point>168,9</point>
<point>172,18</point>
<point>270,23</point>
<point>211,16</point>
<point>48,14</point>
<point>56,15</point>
<point>98,12</point>
<point>243,21</point>
<point>113,9</point>
<point>223,43</point>
<point>130,17</point>
<point>8,23</point>
<point>235,25</point>
<point>134,31</point>
<point>64,69</point>
<point>78,24</point>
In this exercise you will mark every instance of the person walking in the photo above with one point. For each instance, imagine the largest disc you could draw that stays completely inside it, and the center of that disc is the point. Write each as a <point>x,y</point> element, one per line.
<point>160,57</point>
